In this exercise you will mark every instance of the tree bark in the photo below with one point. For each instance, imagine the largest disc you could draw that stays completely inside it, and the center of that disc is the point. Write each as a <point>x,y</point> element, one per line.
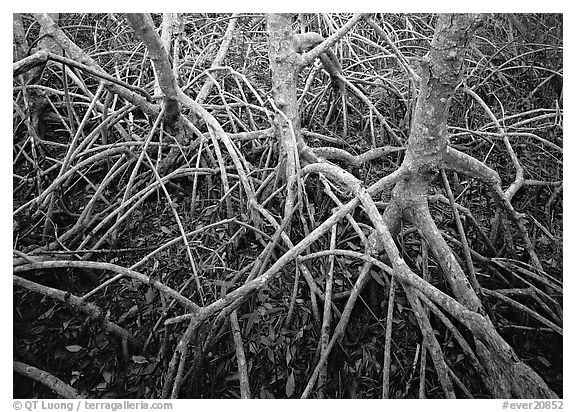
<point>428,151</point>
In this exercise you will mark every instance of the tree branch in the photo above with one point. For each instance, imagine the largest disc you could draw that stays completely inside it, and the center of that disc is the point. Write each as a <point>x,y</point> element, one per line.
<point>308,57</point>
<point>144,27</point>
<point>54,383</point>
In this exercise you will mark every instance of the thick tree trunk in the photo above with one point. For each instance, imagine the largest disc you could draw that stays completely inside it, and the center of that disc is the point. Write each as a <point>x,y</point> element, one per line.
<point>427,152</point>
<point>284,65</point>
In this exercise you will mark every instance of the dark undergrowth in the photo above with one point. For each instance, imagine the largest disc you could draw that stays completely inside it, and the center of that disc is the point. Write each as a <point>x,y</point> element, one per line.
<point>515,66</point>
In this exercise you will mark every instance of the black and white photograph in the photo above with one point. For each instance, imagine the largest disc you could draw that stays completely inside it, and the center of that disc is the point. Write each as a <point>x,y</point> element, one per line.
<point>287,206</point>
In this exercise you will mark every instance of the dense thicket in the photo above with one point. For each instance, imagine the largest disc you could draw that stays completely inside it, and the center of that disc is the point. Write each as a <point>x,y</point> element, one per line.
<point>157,224</point>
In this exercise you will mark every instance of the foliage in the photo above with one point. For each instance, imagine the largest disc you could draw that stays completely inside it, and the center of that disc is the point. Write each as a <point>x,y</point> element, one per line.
<point>112,209</point>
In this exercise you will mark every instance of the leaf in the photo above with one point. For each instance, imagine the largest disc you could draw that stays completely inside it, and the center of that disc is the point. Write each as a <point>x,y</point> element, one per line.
<point>268,306</point>
<point>234,377</point>
<point>288,355</point>
<point>129,313</point>
<point>134,285</point>
<point>148,369</point>
<point>107,376</point>
<point>150,295</point>
<point>266,394</point>
<point>74,348</point>
<point>290,385</point>
<point>378,278</point>
<point>271,356</point>
<point>210,210</point>
<point>266,341</point>
<point>139,359</point>
<point>254,318</point>
<point>544,361</point>
<point>165,230</point>
<point>47,314</point>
